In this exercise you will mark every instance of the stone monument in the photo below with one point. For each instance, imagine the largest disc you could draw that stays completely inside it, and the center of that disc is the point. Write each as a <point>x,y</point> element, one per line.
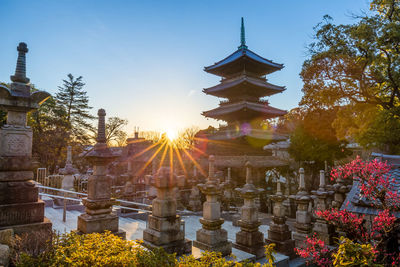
<point>303,216</point>
<point>99,216</point>
<point>194,198</point>
<point>279,232</point>
<point>249,238</point>
<point>20,208</point>
<point>325,231</point>
<point>211,237</point>
<point>68,171</point>
<point>164,225</point>
<point>228,191</point>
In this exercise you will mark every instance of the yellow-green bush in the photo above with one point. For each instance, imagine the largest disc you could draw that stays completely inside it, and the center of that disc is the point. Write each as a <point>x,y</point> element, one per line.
<point>109,250</point>
<point>350,253</point>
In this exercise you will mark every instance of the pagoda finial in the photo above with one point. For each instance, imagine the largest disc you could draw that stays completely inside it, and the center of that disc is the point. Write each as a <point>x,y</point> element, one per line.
<point>20,70</point>
<point>242,36</point>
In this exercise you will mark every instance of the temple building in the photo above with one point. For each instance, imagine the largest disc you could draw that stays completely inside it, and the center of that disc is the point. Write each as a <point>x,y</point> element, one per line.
<point>244,110</point>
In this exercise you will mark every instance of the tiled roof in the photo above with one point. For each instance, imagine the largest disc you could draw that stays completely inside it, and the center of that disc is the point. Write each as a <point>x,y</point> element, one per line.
<point>355,203</point>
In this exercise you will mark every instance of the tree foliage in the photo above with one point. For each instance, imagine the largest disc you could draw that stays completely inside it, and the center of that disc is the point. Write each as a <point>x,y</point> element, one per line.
<point>312,137</point>
<point>357,67</point>
<point>74,100</point>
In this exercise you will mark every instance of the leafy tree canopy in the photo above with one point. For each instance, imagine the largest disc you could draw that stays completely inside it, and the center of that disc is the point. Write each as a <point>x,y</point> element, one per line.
<point>356,68</point>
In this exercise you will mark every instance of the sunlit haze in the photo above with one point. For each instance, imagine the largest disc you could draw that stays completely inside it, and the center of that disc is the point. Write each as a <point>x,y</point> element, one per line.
<point>143,60</point>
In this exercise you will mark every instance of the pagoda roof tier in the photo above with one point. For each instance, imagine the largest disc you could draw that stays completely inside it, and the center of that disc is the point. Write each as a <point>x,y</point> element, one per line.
<point>243,59</point>
<point>244,85</point>
<point>243,111</point>
<point>231,134</point>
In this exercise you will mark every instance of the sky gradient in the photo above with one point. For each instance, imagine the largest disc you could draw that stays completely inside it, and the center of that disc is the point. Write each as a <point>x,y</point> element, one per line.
<point>143,60</point>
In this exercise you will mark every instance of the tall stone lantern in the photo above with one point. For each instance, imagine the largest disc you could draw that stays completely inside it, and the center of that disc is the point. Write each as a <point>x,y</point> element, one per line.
<point>249,238</point>
<point>279,232</point>
<point>99,216</point>
<point>211,237</point>
<point>20,208</point>
<point>164,225</point>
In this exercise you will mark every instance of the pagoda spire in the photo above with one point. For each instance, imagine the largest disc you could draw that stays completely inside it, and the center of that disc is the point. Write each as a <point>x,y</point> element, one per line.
<point>242,36</point>
<point>20,70</point>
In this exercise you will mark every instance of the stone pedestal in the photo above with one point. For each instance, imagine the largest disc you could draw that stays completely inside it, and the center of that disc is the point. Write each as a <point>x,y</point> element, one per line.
<point>20,208</point>
<point>278,232</point>
<point>98,204</point>
<point>164,226</point>
<point>303,216</point>
<point>249,238</point>
<point>211,237</point>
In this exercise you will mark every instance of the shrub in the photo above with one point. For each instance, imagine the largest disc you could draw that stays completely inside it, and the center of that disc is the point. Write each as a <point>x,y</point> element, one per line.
<point>106,249</point>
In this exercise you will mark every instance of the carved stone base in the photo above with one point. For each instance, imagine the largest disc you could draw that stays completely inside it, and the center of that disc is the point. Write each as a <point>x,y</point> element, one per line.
<point>40,231</point>
<point>281,236</point>
<point>88,224</point>
<point>325,232</point>
<point>213,240</point>
<point>21,213</point>
<point>18,192</point>
<point>179,247</point>
<point>250,242</point>
<point>299,239</point>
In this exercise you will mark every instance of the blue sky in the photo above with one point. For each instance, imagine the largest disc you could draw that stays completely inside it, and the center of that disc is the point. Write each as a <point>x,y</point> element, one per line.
<point>143,60</point>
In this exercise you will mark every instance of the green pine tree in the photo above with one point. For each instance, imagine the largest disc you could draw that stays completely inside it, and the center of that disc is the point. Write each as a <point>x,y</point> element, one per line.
<point>74,100</point>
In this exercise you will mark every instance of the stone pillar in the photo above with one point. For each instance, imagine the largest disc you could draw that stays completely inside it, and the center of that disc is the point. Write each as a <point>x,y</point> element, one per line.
<point>249,238</point>
<point>20,208</point>
<point>99,216</point>
<point>325,231</point>
<point>278,232</point>
<point>303,216</point>
<point>164,226</point>
<point>211,237</point>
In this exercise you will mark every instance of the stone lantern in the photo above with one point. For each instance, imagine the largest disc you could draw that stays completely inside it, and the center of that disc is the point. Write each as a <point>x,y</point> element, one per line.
<point>211,237</point>
<point>303,216</point>
<point>20,208</point>
<point>99,216</point>
<point>279,232</point>
<point>249,238</point>
<point>164,225</point>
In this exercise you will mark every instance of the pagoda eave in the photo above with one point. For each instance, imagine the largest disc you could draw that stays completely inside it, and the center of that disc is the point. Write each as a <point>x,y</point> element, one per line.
<point>243,59</point>
<point>243,111</point>
<point>242,85</point>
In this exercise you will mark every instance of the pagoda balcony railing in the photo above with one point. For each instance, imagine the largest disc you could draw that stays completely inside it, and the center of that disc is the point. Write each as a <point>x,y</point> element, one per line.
<point>249,74</point>
<point>260,101</point>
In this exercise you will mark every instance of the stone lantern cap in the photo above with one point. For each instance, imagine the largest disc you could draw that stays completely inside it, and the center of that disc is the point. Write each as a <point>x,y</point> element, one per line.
<point>248,190</point>
<point>210,187</point>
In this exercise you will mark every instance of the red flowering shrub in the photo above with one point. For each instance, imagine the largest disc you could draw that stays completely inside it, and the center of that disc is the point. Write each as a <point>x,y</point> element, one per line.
<point>315,252</point>
<point>375,184</point>
<point>348,222</point>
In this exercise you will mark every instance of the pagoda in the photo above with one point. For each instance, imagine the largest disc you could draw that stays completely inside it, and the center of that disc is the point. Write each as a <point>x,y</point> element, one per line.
<point>244,108</point>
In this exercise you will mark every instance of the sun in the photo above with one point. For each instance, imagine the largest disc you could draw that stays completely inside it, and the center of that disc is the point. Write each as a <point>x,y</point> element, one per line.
<point>171,134</point>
